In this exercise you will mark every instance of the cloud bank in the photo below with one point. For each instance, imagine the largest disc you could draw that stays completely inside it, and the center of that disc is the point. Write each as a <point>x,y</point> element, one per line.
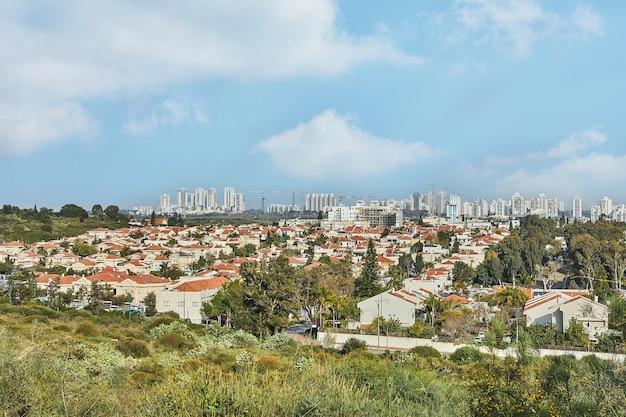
<point>168,112</point>
<point>578,168</point>
<point>333,146</point>
<point>516,26</point>
<point>59,55</point>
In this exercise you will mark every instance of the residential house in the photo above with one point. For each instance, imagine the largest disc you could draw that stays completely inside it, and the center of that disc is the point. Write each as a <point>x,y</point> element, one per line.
<point>186,298</point>
<point>559,309</point>
<point>392,305</point>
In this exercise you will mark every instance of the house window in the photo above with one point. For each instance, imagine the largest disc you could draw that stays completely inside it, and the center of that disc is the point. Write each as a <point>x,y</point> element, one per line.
<point>181,304</point>
<point>166,303</point>
<point>195,304</point>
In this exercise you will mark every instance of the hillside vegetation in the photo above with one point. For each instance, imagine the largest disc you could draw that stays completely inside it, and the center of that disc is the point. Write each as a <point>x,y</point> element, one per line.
<point>34,225</point>
<point>75,364</point>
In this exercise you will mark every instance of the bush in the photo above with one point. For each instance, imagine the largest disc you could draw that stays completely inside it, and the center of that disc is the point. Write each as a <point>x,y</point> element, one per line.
<point>73,314</point>
<point>29,309</point>
<point>157,321</point>
<point>425,352</point>
<point>304,363</point>
<point>353,344</point>
<point>87,328</point>
<point>175,341</point>
<point>465,354</point>
<point>62,328</point>
<point>269,363</point>
<point>421,330</point>
<point>36,319</point>
<point>133,347</point>
<point>279,341</point>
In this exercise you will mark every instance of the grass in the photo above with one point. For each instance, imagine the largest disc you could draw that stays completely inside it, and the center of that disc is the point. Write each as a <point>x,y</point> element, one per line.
<point>59,365</point>
<point>30,230</point>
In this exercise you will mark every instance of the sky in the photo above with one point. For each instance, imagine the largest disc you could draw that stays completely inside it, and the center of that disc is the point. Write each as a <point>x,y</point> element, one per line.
<point>117,102</point>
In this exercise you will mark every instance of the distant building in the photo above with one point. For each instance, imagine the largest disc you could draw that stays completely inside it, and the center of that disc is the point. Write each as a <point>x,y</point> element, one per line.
<point>240,202</point>
<point>181,199</point>
<point>577,208</point>
<point>442,200</point>
<point>165,205</point>
<point>518,205</point>
<point>229,198</point>
<point>319,202</point>
<point>606,206</point>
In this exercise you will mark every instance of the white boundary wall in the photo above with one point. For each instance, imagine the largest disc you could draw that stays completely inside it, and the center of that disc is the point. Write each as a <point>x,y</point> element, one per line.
<point>382,343</point>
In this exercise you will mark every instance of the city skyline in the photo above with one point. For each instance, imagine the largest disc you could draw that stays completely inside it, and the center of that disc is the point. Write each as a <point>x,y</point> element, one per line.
<point>113,102</point>
<point>436,202</point>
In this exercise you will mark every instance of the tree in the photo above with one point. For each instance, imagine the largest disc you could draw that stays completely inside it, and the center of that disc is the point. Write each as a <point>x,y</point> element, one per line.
<point>55,299</point>
<point>405,263</point>
<point>509,252</point>
<point>490,271</point>
<point>95,298</point>
<point>462,272</point>
<point>265,298</point>
<point>444,237</point>
<point>615,259</point>
<point>113,213</point>
<point>153,218</point>
<point>216,306</point>
<point>72,210</point>
<point>96,211</point>
<point>367,283</point>
<point>150,304</point>
<point>510,296</point>
<point>584,253</point>
<point>166,271</point>
<point>546,274</point>
<point>419,265</point>
<point>83,249</point>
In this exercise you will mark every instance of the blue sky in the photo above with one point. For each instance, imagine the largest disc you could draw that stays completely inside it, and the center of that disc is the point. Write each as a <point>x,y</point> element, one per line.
<point>116,102</point>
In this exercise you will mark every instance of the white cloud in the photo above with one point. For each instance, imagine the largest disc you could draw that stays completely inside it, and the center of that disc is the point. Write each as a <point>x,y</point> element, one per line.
<point>331,146</point>
<point>24,129</point>
<point>169,112</point>
<point>592,173</point>
<point>578,141</point>
<point>515,26</point>
<point>569,168</point>
<point>72,51</point>
<point>588,21</point>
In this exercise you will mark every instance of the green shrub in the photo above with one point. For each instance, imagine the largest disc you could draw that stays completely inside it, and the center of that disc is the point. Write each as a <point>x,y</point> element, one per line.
<point>29,309</point>
<point>62,328</point>
<point>74,314</point>
<point>36,319</point>
<point>279,341</point>
<point>133,347</point>
<point>304,363</point>
<point>353,344</point>
<point>157,321</point>
<point>88,328</point>
<point>269,363</point>
<point>221,358</point>
<point>175,341</point>
<point>466,354</point>
<point>425,351</point>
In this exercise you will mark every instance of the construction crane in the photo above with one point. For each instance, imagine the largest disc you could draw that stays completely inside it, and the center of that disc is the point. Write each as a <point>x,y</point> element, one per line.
<point>293,200</point>
<point>262,198</point>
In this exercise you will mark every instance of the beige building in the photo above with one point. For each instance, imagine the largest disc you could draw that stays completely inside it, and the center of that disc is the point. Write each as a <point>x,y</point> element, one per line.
<point>559,309</point>
<point>186,298</point>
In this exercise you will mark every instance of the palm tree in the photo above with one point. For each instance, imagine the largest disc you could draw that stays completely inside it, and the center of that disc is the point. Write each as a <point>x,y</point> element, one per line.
<point>510,296</point>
